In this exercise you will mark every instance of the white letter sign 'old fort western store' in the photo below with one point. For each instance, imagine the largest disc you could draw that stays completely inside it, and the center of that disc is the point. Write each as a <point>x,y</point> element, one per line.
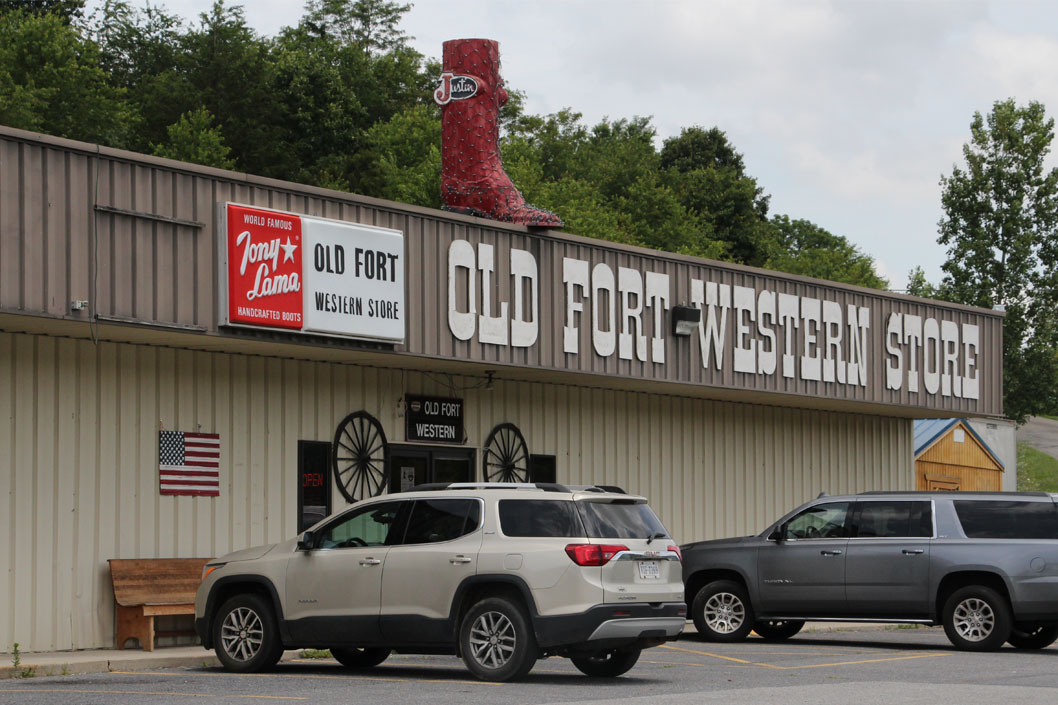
<point>752,330</point>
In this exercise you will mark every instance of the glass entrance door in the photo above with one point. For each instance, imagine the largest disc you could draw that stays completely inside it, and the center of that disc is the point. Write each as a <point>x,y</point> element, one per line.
<point>417,465</point>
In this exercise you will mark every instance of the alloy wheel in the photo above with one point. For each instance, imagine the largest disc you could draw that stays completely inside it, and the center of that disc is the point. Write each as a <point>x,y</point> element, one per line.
<point>724,613</point>
<point>492,639</point>
<point>242,633</point>
<point>974,619</point>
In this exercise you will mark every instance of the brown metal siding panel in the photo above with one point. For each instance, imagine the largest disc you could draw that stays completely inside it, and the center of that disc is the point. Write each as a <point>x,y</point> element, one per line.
<point>167,273</point>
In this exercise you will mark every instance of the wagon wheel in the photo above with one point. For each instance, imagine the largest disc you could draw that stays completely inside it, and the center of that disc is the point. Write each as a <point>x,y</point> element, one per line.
<point>360,456</point>
<point>506,457</point>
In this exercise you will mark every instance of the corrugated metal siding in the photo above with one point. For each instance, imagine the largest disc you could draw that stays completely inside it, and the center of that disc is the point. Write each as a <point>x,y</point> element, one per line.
<point>56,247</point>
<point>78,459</point>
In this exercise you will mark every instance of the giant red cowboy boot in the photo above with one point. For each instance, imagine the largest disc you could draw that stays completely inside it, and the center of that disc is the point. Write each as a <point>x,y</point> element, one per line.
<point>472,177</point>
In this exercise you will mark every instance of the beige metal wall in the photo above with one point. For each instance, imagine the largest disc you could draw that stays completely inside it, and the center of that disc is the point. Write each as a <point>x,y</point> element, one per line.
<point>78,459</point>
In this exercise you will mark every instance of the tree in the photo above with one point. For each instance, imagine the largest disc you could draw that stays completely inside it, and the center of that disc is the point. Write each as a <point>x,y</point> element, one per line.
<point>66,10</point>
<point>710,179</point>
<point>51,81</point>
<point>807,249</point>
<point>194,139</point>
<point>1000,226</point>
<point>918,285</point>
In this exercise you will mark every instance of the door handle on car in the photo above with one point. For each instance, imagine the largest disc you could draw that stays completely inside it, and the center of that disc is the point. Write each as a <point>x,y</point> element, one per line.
<point>830,553</point>
<point>913,551</point>
<point>370,561</point>
<point>459,559</point>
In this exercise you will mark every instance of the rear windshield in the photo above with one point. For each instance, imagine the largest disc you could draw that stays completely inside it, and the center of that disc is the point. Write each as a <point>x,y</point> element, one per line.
<point>606,520</point>
<point>539,517</point>
<point>983,519</point>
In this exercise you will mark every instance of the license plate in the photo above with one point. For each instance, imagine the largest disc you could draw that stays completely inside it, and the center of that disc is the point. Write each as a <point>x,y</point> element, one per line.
<point>649,570</point>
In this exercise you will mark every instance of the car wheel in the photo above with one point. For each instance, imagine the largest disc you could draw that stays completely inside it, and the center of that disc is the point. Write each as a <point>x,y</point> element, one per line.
<point>778,630</point>
<point>607,664</point>
<point>360,658</point>
<point>245,635</point>
<point>977,618</point>
<point>496,640</point>
<point>1033,636</point>
<point>721,612</point>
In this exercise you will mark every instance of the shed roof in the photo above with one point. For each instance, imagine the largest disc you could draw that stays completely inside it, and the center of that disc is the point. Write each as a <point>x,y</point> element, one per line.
<point>928,431</point>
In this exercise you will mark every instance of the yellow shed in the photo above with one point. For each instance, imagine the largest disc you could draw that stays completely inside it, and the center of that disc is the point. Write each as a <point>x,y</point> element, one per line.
<point>949,455</point>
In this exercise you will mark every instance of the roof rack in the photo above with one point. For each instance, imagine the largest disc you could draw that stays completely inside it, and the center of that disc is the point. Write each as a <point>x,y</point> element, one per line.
<point>435,486</point>
<point>544,486</point>
<point>964,492</point>
<point>613,489</point>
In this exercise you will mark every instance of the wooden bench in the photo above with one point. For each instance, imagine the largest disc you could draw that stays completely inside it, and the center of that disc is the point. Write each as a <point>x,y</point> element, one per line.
<point>145,588</point>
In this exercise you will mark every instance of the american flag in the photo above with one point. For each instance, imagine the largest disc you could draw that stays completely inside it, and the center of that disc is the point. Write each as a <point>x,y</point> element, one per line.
<point>189,463</point>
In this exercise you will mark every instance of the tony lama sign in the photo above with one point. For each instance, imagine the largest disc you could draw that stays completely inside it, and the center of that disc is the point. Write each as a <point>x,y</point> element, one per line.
<point>624,312</point>
<point>312,275</point>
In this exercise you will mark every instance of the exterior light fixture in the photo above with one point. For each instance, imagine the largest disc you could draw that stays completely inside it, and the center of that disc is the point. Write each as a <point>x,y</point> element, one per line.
<point>685,319</point>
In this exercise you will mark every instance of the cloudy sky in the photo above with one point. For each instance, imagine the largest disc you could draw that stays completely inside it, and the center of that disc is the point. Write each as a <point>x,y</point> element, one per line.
<point>847,112</point>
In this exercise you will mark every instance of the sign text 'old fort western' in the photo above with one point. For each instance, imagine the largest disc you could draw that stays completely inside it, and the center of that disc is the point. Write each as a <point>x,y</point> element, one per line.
<point>312,275</point>
<point>769,327</point>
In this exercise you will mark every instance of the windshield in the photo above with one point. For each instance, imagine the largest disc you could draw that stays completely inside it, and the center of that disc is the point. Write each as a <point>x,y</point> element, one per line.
<point>604,520</point>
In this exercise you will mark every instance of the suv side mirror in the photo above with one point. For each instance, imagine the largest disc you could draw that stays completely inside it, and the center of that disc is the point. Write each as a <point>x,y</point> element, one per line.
<point>776,535</point>
<point>307,541</point>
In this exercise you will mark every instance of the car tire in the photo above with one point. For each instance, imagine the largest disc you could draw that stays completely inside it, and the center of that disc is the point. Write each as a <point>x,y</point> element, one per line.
<point>607,664</point>
<point>245,634</point>
<point>778,630</point>
<point>977,618</point>
<point>496,640</point>
<point>721,612</point>
<point>360,658</point>
<point>1033,636</point>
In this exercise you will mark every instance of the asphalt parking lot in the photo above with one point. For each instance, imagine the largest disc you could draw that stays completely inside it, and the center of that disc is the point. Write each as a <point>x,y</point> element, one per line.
<point>884,664</point>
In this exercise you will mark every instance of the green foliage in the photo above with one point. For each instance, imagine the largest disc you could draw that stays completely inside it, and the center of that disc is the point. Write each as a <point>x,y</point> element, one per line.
<point>1037,471</point>
<point>51,81</point>
<point>709,179</point>
<point>66,10</point>
<point>807,249</point>
<point>1000,226</point>
<point>193,139</point>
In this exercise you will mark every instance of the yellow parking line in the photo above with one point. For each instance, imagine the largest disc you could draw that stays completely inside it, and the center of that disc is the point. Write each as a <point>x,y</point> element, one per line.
<point>873,660</point>
<point>146,692</point>
<point>720,656</point>
<point>793,668</point>
<point>351,676</point>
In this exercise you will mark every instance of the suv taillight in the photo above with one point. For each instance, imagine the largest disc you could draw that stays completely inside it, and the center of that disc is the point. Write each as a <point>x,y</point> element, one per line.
<point>592,553</point>
<point>676,550</point>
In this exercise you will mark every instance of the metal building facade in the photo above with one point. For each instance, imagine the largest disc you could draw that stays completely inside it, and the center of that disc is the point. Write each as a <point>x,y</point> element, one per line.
<point>78,459</point>
<point>83,393</point>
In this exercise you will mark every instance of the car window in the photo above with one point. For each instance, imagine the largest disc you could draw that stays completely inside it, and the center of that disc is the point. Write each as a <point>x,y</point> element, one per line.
<point>987,519</point>
<point>822,521</point>
<point>434,520</point>
<point>540,517</point>
<point>370,526</point>
<point>892,519</point>
<point>617,520</point>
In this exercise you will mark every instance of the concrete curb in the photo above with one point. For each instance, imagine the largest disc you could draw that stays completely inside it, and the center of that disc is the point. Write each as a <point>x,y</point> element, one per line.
<point>81,662</point>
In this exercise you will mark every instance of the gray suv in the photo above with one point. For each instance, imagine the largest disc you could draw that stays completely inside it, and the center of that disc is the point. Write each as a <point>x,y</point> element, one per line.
<point>985,565</point>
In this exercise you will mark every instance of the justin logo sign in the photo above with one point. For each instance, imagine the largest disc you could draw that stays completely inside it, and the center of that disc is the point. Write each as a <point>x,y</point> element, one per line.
<point>313,275</point>
<point>455,87</point>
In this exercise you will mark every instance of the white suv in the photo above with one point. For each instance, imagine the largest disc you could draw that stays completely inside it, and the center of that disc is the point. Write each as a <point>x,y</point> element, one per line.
<point>501,574</point>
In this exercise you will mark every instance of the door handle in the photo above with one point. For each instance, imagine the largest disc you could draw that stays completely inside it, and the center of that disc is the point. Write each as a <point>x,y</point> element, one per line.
<point>830,553</point>
<point>370,561</point>
<point>913,551</point>
<point>459,559</point>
